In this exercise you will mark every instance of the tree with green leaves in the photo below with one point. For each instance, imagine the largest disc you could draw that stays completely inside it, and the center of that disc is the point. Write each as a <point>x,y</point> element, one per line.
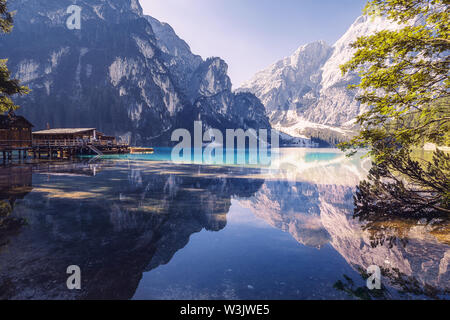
<point>405,82</point>
<point>8,86</point>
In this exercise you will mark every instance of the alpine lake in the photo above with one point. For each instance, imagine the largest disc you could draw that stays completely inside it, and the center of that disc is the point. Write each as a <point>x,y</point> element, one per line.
<point>144,227</point>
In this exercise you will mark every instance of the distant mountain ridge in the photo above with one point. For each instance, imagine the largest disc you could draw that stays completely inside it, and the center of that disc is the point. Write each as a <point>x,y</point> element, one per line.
<point>124,73</point>
<point>308,90</point>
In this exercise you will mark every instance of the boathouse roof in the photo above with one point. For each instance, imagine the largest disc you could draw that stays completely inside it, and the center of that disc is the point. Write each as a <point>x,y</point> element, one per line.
<point>8,121</point>
<point>64,131</point>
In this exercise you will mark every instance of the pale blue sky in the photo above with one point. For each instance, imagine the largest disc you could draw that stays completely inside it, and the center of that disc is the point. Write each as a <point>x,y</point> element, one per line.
<point>252,34</point>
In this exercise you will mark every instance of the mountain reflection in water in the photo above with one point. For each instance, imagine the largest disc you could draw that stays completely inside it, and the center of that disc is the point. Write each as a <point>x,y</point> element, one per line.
<point>150,229</point>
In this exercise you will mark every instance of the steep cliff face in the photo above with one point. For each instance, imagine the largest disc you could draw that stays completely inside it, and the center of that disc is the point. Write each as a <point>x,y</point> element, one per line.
<point>107,75</point>
<point>307,89</point>
<point>176,54</point>
<point>123,72</point>
<point>206,86</point>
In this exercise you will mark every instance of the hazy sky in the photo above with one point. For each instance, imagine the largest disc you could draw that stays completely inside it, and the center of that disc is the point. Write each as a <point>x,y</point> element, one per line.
<point>252,34</point>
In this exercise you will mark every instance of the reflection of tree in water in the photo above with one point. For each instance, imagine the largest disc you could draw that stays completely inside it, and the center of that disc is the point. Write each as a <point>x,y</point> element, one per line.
<point>391,223</point>
<point>394,232</point>
<point>8,225</point>
<point>410,285</point>
<point>115,226</point>
<point>15,183</point>
<point>417,251</point>
<point>360,292</point>
<point>389,219</point>
<point>403,285</point>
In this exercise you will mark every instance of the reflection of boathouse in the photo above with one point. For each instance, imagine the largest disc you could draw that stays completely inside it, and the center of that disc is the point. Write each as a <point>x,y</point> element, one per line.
<point>69,169</point>
<point>15,182</point>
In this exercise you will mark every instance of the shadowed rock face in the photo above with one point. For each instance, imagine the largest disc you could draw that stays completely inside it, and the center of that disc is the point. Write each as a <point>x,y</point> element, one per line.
<point>124,73</point>
<point>113,230</point>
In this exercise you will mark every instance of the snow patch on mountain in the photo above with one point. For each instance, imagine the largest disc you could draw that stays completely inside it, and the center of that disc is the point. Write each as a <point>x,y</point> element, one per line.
<point>27,71</point>
<point>293,125</point>
<point>55,58</point>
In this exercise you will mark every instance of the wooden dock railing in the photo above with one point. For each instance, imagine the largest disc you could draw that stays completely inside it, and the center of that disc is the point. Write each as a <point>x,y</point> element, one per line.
<point>60,148</point>
<point>74,143</point>
<point>58,143</point>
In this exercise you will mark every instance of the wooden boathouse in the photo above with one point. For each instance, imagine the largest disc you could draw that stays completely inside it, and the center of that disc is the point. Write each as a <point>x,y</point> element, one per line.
<point>68,142</point>
<point>15,135</point>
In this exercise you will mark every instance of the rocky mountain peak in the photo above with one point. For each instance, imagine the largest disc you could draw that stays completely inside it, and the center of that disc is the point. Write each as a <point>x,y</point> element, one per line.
<point>308,87</point>
<point>212,77</point>
<point>292,80</point>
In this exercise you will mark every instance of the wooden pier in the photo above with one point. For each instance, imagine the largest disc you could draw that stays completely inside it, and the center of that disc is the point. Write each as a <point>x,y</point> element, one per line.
<point>71,148</point>
<point>61,149</point>
<point>139,150</point>
<point>7,153</point>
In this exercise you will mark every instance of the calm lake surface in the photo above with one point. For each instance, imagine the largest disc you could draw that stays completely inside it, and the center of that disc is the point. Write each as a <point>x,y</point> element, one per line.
<point>142,227</point>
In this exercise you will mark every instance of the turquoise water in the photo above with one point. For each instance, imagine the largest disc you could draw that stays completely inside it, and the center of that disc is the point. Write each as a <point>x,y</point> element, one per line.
<point>242,157</point>
<point>144,227</point>
<point>311,157</point>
